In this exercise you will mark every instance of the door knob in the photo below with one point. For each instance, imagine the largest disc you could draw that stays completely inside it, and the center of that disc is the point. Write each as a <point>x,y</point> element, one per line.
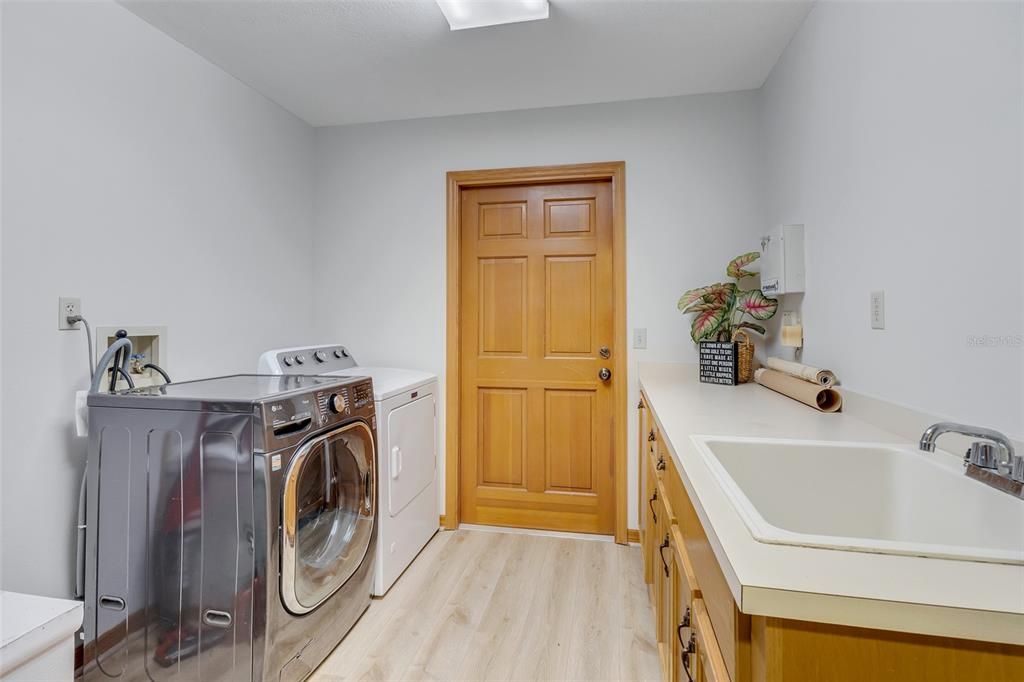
<point>604,374</point>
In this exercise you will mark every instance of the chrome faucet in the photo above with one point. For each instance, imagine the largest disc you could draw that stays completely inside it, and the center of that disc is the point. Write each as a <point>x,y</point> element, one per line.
<point>983,461</point>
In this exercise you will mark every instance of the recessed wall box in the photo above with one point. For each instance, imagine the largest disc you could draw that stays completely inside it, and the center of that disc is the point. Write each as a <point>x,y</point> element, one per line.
<point>149,345</point>
<point>782,261</point>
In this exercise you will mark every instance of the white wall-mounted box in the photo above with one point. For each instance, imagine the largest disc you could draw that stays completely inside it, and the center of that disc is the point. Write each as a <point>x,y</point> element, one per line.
<point>782,261</point>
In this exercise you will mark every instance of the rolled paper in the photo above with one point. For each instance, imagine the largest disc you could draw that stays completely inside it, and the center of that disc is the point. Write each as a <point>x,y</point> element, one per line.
<point>820,398</point>
<point>821,377</point>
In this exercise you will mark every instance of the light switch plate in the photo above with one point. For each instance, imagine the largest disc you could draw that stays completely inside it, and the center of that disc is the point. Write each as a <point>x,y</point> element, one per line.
<point>640,338</point>
<point>878,310</point>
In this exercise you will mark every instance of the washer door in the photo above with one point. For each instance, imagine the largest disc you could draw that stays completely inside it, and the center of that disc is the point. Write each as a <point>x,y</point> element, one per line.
<point>328,509</point>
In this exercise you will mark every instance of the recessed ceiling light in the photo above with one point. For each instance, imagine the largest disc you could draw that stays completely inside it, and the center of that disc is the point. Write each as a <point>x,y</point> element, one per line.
<point>476,13</point>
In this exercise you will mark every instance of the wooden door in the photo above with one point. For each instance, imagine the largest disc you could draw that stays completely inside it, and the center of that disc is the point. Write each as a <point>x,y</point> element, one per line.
<point>536,309</point>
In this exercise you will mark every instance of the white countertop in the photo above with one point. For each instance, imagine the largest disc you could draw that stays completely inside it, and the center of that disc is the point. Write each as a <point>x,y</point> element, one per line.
<point>30,624</point>
<point>953,598</point>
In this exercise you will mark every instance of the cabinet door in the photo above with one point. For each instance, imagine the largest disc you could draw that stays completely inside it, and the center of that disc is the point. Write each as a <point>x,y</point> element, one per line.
<point>650,530</point>
<point>662,586</point>
<point>684,592</point>
<point>665,612</point>
<point>643,415</point>
<point>710,664</point>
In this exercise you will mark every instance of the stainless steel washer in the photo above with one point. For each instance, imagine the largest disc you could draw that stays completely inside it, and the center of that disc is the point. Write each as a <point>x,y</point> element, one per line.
<point>230,526</point>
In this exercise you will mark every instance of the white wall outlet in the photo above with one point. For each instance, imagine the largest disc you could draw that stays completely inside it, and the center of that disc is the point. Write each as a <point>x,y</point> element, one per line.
<point>67,307</point>
<point>878,310</point>
<point>640,338</point>
<point>790,318</point>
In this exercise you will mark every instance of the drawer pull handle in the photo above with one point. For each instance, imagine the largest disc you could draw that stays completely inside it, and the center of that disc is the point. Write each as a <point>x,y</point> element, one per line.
<point>660,466</point>
<point>683,624</point>
<point>650,436</point>
<point>687,650</point>
<point>640,405</point>
<point>650,503</point>
<point>112,603</point>
<point>217,619</point>
<point>661,553</point>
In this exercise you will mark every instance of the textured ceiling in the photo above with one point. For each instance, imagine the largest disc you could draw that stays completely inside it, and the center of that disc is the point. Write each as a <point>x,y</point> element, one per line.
<point>373,60</point>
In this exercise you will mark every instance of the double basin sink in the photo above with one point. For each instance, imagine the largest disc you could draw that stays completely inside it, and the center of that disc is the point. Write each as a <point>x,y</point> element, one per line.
<point>879,498</point>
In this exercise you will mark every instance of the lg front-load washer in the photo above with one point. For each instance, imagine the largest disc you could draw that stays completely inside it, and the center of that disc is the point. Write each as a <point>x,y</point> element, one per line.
<point>407,434</point>
<point>230,531</point>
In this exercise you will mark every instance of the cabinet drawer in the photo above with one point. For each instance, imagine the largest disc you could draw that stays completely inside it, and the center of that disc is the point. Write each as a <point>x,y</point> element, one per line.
<point>687,578</point>
<point>666,504</point>
<point>707,661</point>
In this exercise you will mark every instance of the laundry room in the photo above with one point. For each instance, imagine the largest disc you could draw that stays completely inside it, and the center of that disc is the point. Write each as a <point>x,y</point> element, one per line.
<point>519,339</point>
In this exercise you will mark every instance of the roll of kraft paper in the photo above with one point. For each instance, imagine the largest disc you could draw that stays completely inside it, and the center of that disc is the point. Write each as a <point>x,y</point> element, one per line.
<point>822,377</point>
<point>818,397</point>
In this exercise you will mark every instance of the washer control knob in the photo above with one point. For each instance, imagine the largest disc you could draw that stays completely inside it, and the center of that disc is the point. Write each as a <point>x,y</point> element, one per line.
<point>300,359</point>
<point>344,352</point>
<point>338,354</point>
<point>288,362</point>
<point>337,403</point>
<point>320,356</point>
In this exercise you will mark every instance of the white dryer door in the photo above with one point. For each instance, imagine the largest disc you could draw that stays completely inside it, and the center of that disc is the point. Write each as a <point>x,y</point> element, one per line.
<point>412,444</point>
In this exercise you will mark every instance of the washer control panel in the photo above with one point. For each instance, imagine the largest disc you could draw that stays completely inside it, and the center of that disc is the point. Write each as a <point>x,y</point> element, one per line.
<point>331,403</point>
<point>363,394</point>
<point>292,418</point>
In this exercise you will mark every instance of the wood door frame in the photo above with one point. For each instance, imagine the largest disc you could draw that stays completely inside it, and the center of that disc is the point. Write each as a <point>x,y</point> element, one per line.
<point>613,171</point>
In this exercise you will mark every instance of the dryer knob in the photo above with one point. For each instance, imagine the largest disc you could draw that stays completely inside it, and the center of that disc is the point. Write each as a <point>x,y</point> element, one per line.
<point>338,354</point>
<point>287,361</point>
<point>320,356</point>
<point>300,359</point>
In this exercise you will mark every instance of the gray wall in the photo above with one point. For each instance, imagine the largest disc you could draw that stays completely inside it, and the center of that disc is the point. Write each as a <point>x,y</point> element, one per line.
<point>117,140</point>
<point>895,132</point>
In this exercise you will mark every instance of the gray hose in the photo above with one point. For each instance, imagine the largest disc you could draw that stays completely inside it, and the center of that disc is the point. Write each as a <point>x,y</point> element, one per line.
<point>101,366</point>
<point>88,335</point>
<point>80,540</point>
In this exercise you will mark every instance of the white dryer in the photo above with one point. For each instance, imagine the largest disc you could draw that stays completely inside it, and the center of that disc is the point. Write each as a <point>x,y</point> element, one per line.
<point>407,435</point>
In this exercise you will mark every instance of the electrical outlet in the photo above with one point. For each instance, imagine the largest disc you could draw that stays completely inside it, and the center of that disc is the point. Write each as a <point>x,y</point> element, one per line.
<point>640,338</point>
<point>878,310</point>
<point>67,307</point>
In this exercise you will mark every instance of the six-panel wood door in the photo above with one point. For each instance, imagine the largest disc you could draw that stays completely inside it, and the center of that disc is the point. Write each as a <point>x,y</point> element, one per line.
<point>536,309</point>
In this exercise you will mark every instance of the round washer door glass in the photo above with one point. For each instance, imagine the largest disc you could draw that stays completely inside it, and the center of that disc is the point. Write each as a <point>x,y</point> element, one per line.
<point>328,515</point>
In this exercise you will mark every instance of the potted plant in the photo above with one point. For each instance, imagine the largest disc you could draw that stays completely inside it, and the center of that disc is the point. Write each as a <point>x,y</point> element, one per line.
<point>720,316</point>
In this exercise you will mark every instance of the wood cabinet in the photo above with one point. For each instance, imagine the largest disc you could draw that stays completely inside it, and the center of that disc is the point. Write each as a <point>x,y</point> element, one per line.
<point>686,649</point>
<point>704,637</point>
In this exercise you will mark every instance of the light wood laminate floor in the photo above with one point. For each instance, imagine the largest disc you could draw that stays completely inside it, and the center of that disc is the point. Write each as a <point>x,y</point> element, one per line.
<point>478,605</point>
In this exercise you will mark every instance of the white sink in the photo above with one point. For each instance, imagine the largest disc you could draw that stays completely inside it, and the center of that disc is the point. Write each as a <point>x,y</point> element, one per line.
<point>862,497</point>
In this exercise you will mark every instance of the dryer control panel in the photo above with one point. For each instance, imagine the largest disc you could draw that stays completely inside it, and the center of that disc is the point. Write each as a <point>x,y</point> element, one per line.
<point>306,360</point>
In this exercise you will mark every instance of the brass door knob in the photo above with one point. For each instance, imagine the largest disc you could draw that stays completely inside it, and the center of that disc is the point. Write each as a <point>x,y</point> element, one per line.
<point>604,374</point>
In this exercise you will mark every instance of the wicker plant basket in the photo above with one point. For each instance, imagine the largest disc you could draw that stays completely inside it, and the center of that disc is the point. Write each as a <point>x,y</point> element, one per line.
<point>744,356</point>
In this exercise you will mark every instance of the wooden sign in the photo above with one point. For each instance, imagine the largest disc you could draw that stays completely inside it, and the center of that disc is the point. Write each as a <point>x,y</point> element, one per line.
<point>718,363</point>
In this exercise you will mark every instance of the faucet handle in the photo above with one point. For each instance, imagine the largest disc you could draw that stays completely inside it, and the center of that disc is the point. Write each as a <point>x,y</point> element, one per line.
<point>983,454</point>
<point>1017,468</point>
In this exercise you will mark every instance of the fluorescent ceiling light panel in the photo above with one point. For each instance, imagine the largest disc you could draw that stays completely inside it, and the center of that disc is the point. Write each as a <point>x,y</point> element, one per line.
<point>476,13</point>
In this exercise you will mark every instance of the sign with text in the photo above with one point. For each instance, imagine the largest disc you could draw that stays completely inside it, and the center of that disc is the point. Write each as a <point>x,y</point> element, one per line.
<point>718,360</point>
